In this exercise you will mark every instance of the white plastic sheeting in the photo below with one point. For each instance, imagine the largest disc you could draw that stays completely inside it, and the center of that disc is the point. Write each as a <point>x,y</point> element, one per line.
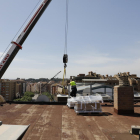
<point>84,104</point>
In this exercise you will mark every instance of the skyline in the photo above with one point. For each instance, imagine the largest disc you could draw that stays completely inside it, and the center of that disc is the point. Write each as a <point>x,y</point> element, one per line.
<point>103,37</point>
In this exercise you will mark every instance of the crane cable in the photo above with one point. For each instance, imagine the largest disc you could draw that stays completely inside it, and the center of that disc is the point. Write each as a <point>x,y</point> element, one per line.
<point>65,57</point>
<point>66,26</point>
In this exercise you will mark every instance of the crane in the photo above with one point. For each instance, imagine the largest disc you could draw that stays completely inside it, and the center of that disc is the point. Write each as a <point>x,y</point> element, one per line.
<point>55,76</point>
<point>17,45</point>
<point>41,87</point>
<point>50,80</point>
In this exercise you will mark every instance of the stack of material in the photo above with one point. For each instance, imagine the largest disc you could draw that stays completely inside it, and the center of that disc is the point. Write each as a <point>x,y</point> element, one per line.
<point>81,107</point>
<point>72,101</point>
<point>85,104</point>
<point>60,90</point>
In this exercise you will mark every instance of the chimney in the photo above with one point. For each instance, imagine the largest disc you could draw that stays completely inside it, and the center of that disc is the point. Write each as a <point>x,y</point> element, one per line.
<point>81,75</point>
<point>107,75</point>
<point>128,73</point>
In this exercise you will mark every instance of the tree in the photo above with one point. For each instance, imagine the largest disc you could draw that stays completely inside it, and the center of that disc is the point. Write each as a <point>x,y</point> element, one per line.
<point>26,98</point>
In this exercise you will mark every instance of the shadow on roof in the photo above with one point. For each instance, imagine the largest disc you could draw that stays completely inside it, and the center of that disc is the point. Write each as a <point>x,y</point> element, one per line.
<point>107,105</point>
<point>132,115</point>
<point>136,105</point>
<point>96,114</point>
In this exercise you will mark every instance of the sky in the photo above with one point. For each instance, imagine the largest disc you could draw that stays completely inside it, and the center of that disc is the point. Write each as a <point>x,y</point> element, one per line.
<point>103,37</point>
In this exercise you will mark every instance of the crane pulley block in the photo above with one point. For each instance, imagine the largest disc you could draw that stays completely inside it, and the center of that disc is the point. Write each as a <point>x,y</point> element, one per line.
<point>65,58</point>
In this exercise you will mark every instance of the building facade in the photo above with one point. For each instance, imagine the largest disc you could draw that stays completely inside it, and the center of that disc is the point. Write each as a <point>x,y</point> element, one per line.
<point>8,89</point>
<point>132,79</point>
<point>11,89</point>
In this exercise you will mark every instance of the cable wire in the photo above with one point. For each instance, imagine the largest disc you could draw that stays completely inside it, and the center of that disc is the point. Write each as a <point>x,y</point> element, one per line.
<point>21,27</point>
<point>66,35</point>
<point>66,26</point>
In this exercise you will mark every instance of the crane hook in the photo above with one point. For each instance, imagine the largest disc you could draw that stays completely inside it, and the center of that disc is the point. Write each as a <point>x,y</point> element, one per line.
<point>65,60</point>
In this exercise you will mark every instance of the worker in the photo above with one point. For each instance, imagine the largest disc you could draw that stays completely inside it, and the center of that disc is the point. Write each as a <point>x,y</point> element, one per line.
<point>73,88</point>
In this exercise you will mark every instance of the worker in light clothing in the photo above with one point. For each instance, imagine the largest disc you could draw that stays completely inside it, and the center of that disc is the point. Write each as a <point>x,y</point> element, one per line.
<point>73,88</point>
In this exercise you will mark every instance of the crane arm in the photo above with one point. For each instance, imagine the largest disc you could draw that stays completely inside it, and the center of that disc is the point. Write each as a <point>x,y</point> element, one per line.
<point>51,79</point>
<point>16,46</point>
<point>55,75</point>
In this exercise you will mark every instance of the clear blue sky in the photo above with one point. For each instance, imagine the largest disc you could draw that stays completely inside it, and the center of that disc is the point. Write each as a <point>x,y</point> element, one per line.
<point>103,36</point>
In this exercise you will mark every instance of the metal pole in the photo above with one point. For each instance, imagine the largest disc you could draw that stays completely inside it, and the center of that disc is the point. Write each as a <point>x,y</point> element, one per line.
<point>105,90</point>
<point>112,94</point>
<point>40,88</point>
<point>90,89</point>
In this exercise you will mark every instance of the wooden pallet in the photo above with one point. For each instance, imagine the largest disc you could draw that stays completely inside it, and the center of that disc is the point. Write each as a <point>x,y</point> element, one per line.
<point>70,107</point>
<point>88,112</point>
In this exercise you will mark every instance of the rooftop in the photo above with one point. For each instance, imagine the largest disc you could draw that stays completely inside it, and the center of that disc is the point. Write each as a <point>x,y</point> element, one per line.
<point>58,122</point>
<point>96,80</point>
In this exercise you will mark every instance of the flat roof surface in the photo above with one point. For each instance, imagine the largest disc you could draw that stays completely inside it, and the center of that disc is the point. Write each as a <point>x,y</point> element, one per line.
<point>58,122</point>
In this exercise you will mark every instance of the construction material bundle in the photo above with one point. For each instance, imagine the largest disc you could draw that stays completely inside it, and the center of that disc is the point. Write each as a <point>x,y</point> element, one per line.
<point>72,101</point>
<point>61,90</point>
<point>85,104</point>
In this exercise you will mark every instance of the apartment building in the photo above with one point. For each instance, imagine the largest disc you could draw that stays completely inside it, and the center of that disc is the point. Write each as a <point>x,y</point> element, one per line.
<point>54,89</point>
<point>49,85</point>
<point>129,79</point>
<point>17,94</point>
<point>92,75</point>
<point>44,87</point>
<point>7,89</point>
<point>33,87</point>
<point>28,87</point>
<point>133,80</point>
<point>11,89</point>
<point>111,80</point>
<point>21,85</point>
<point>36,87</point>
